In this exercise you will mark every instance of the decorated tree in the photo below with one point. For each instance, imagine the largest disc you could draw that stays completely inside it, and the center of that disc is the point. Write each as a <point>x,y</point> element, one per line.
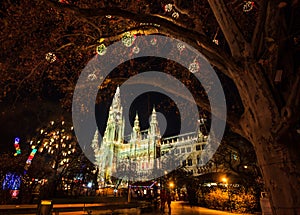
<point>57,143</point>
<point>254,44</point>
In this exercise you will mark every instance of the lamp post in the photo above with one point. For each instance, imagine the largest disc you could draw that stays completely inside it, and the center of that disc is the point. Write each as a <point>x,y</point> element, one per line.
<point>225,180</point>
<point>171,185</point>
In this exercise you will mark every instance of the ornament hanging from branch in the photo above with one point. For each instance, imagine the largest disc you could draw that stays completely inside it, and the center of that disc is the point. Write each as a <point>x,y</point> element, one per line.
<point>50,57</point>
<point>180,47</point>
<point>153,41</point>
<point>168,8</point>
<point>136,50</point>
<point>175,15</point>
<point>194,67</point>
<point>101,49</point>
<point>215,40</point>
<point>248,6</point>
<point>92,77</point>
<point>128,39</point>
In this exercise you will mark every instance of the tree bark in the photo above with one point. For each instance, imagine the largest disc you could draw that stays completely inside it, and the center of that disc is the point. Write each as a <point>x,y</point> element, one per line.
<point>279,165</point>
<point>277,152</point>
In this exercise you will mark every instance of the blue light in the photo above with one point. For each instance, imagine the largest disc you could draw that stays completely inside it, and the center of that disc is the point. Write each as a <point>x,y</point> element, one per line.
<point>12,181</point>
<point>17,140</point>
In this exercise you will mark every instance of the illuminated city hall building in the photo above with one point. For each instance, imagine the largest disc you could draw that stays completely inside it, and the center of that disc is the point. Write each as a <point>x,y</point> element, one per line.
<point>140,153</point>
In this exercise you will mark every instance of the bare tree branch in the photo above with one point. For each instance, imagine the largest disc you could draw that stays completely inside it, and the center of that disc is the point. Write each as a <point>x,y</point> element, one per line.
<point>257,38</point>
<point>214,54</point>
<point>234,37</point>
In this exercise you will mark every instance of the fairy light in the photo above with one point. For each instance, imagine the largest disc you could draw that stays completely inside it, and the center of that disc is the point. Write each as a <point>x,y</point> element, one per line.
<point>248,6</point>
<point>128,39</point>
<point>168,7</point>
<point>136,50</point>
<point>175,15</point>
<point>17,146</point>
<point>153,41</point>
<point>194,67</point>
<point>51,143</point>
<point>180,47</point>
<point>215,38</point>
<point>50,57</point>
<point>101,49</point>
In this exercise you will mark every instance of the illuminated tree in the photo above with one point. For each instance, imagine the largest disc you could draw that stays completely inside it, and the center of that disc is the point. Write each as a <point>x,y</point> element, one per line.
<point>254,44</point>
<point>57,143</point>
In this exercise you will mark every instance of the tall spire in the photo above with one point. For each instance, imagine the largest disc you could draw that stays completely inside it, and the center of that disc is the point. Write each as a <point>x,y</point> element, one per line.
<point>114,131</point>
<point>136,120</point>
<point>116,103</point>
<point>154,129</point>
<point>136,130</point>
<point>153,115</point>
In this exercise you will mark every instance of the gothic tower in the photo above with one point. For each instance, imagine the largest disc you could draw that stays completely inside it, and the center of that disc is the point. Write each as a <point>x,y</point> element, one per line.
<point>113,136</point>
<point>154,137</point>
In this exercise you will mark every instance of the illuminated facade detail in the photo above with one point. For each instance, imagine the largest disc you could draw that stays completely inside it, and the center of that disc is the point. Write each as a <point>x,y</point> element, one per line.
<point>142,149</point>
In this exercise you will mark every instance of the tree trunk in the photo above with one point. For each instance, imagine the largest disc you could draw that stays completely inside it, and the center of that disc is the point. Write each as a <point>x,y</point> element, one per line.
<point>279,164</point>
<point>277,150</point>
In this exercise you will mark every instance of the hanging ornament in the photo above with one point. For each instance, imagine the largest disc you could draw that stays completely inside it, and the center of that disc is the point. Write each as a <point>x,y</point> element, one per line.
<point>128,39</point>
<point>101,49</point>
<point>136,50</point>
<point>92,77</point>
<point>168,7</point>
<point>194,67</point>
<point>215,38</point>
<point>216,41</point>
<point>248,6</point>
<point>50,57</point>
<point>175,15</point>
<point>180,47</point>
<point>153,41</point>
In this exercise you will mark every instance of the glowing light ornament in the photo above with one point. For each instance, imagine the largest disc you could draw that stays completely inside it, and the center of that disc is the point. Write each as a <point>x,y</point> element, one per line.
<point>31,156</point>
<point>92,77</point>
<point>50,57</point>
<point>153,41</point>
<point>248,6</point>
<point>194,67</point>
<point>215,38</point>
<point>168,7</point>
<point>128,39</point>
<point>136,50</point>
<point>180,47</point>
<point>216,41</point>
<point>175,15</point>
<point>12,181</point>
<point>101,49</point>
<point>17,146</point>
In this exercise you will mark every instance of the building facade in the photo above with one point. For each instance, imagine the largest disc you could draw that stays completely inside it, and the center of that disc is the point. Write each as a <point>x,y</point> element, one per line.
<point>146,151</point>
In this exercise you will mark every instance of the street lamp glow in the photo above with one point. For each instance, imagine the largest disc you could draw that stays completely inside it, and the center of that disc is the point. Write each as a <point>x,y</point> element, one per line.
<point>171,184</point>
<point>224,180</point>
